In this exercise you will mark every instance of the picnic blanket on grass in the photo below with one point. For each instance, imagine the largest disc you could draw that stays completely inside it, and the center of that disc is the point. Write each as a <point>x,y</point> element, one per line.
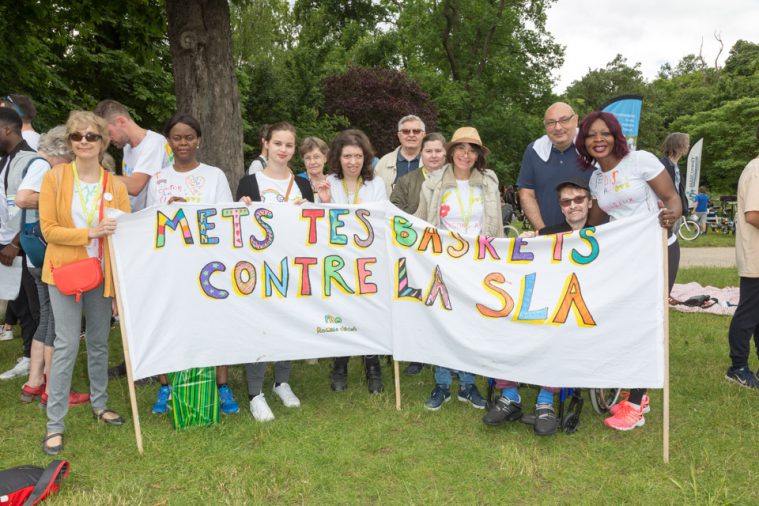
<point>727,298</point>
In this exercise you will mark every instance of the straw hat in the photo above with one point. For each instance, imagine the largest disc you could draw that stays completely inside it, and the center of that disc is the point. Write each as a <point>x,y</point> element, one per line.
<point>467,135</point>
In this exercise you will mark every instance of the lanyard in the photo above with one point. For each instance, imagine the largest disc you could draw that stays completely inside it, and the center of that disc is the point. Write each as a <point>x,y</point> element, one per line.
<point>467,216</point>
<point>424,173</point>
<point>355,195</point>
<point>89,214</point>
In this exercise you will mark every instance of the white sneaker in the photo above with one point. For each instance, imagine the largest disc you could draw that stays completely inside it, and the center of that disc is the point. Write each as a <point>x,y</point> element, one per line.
<point>285,393</point>
<point>21,369</point>
<point>6,334</point>
<point>260,409</point>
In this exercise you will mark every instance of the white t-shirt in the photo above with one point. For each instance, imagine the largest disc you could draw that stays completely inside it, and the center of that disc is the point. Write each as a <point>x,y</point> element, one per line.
<point>3,210</point>
<point>148,157</point>
<point>747,235</point>
<point>91,196</point>
<point>33,182</point>
<point>256,165</point>
<point>12,222</point>
<point>32,138</point>
<point>370,191</point>
<point>624,191</point>
<point>274,190</point>
<point>462,211</point>
<point>204,184</point>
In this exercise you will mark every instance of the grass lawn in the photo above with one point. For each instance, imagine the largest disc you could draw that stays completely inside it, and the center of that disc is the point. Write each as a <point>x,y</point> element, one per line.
<point>353,448</point>
<point>712,239</point>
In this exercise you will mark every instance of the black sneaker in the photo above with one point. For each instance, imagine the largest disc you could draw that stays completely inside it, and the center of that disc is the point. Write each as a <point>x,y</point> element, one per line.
<point>339,376</point>
<point>504,410</point>
<point>117,371</point>
<point>413,369</point>
<point>374,376</point>
<point>743,377</point>
<point>546,422</point>
<point>470,394</point>
<point>440,395</point>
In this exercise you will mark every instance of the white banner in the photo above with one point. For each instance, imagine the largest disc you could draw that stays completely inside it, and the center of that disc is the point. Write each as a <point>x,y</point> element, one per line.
<point>693,172</point>
<point>10,279</point>
<point>228,284</point>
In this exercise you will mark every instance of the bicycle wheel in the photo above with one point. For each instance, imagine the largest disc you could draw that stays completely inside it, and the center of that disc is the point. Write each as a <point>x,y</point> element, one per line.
<point>688,230</point>
<point>510,232</point>
<point>603,398</point>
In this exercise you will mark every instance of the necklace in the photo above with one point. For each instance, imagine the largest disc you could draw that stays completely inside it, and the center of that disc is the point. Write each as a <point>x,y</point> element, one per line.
<point>89,214</point>
<point>355,195</point>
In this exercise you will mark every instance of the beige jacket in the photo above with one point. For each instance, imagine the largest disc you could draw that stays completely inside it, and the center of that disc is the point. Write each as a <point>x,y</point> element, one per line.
<point>433,190</point>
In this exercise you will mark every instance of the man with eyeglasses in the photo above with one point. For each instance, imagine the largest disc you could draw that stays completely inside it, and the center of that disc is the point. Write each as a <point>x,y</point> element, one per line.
<point>405,158</point>
<point>24,106</point>
<point>574,202</point>
<point>19,164</point>
<point>546,162</point>
<point>145,151</point>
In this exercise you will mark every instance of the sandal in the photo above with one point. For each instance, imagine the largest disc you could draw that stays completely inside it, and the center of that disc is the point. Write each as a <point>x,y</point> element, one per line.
<point>52,450</point>
<point>100,415</point>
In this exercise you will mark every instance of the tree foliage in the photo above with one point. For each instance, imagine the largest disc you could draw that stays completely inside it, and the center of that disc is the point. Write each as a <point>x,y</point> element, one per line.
<point>374,100</point>
<point>70,55</point>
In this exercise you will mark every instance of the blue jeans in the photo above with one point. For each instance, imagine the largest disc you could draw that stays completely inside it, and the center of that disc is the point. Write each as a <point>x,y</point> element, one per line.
<point>443,376</point>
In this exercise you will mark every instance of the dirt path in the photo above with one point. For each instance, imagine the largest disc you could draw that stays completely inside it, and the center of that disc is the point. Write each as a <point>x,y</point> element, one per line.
<point>707,257</point>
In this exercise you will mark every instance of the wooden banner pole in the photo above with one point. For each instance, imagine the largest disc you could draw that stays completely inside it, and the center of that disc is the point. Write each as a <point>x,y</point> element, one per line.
<point>125,344</point>
<point>665,403</point>
<point>397,374</point>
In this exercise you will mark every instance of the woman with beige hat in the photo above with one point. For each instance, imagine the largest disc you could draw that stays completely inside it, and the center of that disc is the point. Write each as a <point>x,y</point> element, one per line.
<point>465,199</point>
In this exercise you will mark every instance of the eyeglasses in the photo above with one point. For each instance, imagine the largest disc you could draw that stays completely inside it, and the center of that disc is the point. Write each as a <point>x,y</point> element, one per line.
<point>568,202</point>
<point>88,136</point>
<point>561,121</point>
<point>466,149</point>
<point>409,131</point>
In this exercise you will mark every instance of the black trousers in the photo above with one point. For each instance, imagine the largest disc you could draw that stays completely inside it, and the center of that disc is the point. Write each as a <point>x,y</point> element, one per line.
<point>745,322</point>
<point>26,308</point>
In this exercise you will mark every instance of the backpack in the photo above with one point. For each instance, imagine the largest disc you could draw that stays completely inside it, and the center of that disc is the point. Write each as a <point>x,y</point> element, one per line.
<point>28,485</point>
<point>31,239</point>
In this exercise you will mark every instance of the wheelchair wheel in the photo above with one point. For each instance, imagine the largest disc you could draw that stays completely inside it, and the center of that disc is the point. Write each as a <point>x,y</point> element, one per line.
<point>603,398</point>
<point>510,232</point>
<point>688,230</point>
<point>570,423</point>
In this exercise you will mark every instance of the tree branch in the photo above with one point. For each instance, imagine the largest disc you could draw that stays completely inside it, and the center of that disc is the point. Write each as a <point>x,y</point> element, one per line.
<point>449,11</point>
<point>489,39</point>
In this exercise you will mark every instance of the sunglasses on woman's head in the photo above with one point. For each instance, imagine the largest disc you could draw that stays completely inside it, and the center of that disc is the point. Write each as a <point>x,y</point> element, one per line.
<point>88,136</point>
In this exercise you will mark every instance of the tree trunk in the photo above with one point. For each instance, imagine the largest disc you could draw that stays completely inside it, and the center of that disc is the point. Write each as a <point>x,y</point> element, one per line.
<point>200,38</point>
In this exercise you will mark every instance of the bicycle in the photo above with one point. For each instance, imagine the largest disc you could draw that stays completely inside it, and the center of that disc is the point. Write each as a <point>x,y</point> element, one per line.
<point>687,228</point>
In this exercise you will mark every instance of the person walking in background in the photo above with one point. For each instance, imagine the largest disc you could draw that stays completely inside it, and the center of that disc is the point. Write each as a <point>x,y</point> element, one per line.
<point>701,201</point>
<point>745,321</point>
<point>674,147</point>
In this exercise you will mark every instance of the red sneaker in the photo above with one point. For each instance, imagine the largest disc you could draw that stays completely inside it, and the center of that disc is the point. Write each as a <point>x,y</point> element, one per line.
<point>28,394</point>
<point>75,399</point>
<point>626,418</point>
<point>626,395</point>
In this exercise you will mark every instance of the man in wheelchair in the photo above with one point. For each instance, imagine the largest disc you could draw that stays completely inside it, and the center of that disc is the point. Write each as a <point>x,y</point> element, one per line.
<point>575,203</point>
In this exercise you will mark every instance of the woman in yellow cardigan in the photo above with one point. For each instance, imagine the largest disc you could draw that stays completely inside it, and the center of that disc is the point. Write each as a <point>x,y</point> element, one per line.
<point>69,208</point>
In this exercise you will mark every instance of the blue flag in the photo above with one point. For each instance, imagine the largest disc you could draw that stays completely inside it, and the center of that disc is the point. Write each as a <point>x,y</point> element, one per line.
<point>627,111</point>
